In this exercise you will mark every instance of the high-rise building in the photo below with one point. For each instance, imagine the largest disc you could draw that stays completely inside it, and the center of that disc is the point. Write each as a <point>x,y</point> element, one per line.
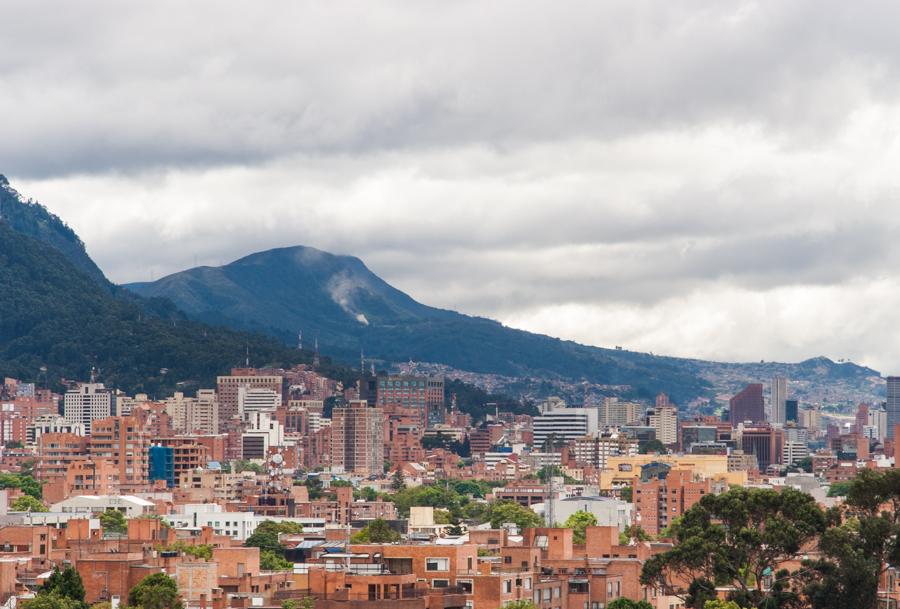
<point>778,399</point>
<point>791,410</point>
<point>198,415</point>
<point>561,425</point>
<point>764,441</point>
<point>124,441</point>
<point>228,391</point>
<point>357,438</point>
<point>257,398</point>
<point>424,393</point>
<point>614,413</point>
<point>89,402</point>
<point>892,405</point>
<point>664,419</point>
<point>748,405</point>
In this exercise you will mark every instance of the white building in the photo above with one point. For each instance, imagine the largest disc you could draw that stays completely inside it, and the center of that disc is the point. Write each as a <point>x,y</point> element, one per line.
<point>97,504</point>
<point>237,525</point>
<point>263,431</point>
<point>51,423</point>
<point>793,451</point>
<point>609,512</point>
<point>564,424</point>
<point>257,398</point>
<point>90,401</point>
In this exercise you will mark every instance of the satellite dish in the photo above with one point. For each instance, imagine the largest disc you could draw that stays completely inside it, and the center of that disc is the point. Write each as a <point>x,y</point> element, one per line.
<point>277,459</point>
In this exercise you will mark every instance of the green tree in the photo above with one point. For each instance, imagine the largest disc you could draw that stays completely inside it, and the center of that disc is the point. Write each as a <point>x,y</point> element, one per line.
<point>66,583</point>
<point>864,539</point>
<point>720,604</point>
<point>520,604</point>
<point>839,489</point>
<point>27,503</point>
<point>510,511</point>
<point>157,591</point>
<point>578,522</point>
<point>736,539</point>
<point>271,561</point>
<point>377,531</point>
<point>626,603</point>
<point>398,483</point>
<point>51,601</point>
<point>625,494</point>
<point>265,537</point>
<point>365,493</point>
<point>653,447</point>
<point>114,521</point>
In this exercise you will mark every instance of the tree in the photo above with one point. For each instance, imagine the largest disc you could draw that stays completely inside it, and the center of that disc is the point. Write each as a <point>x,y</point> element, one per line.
<point>27,503</point>
<point>266,536</point>
<point>520,604</point>
<point>114,521</point>
<point>366,493</point>
<point>66,583</point>
<point>510,511</point>
<point>270,561</point>
<point>51,601</point>
<point>578,522</point>
<point>625,493</point>
<point>737,539</point>
<point>397,481</point>
<point>377,531</point>
<point>157,591</point>
<point>626,603</point>
<point>839,489</point>
<point>653,446</point>
<point>864,538</point>
<point>720,604</point>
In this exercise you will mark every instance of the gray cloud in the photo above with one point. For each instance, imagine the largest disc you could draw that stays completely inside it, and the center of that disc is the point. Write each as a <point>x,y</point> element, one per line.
<point>703,179</point>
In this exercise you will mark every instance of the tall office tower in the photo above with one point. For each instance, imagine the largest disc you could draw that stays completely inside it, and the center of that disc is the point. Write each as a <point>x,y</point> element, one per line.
<point>357,438</point>
<point>779,397</point>
<point>194,415</point>
<point>257,398</point>
<point>562,425</point>
<point>748,405</point>
<point>614,413</point>
<point>764,441</point>
<point>90,401</point>
<point>877,423</point>
<point>791,408</point>
<point>664,419</point>
<point>892,405</point>
<point>228,391</point>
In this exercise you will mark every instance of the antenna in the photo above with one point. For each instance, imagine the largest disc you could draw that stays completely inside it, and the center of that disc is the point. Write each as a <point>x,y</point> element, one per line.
<point>316,355</point>
<point>362,363</point>
<point>300,340</point>
<point>247,360</point>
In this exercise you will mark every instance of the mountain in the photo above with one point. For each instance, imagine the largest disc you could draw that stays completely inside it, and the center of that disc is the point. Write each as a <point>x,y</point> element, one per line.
<point>33,219</point>
<point>338,300</point>
<point>58,322</point>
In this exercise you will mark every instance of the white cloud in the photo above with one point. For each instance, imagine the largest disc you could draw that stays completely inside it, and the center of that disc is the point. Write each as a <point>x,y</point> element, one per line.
<point>711,180</point>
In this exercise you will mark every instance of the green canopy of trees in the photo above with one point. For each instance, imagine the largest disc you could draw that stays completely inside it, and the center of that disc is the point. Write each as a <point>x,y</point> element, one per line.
<point>377,531</point>
<point>501,512</point>
<point>578,522</point>
<point>157,591</point>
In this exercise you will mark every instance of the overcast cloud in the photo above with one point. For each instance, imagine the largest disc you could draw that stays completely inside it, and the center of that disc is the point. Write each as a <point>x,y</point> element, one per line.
<point>700,179</point>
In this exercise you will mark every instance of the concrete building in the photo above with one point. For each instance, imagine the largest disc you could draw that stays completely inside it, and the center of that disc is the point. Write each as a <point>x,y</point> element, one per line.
<point>778,400</point>
<point>793,451</point>
<point>89,402</point>
<point>615,413</point>
<point>764,441</point>
<point>560,425</point>
<point>257,398</point>
<point>664,419</point>
<point>892,405</point>
<point>357,439</point>
<point>263,432</point>
<point>194,415</point>
<point>88,505</point>
<point>51,423</point>
<point>423,393</point>
<point>609,512</point>
<point>228,391</point>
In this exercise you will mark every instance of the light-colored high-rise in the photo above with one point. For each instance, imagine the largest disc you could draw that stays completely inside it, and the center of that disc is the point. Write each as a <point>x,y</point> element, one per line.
<point>228,389</point>
<point>664,419</point>
<point>778,400</point>
<point>194,415</point>
<point>614,413</point>
<point>89,402</point>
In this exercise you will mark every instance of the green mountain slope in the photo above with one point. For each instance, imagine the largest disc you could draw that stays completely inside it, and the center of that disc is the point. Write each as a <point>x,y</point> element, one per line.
<point>33,219</point>
<point>56,317</point>
<point>349,308</point>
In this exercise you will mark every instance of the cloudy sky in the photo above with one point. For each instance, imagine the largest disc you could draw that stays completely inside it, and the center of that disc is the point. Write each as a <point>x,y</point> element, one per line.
<point>702,179</point>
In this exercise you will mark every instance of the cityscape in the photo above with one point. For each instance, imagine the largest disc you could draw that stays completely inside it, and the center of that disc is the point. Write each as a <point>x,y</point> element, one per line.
<point>470,305</point>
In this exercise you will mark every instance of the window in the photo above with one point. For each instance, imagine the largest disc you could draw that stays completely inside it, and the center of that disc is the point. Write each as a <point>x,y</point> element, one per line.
<point>440,583</point>
<point>437,564</point>
<point>465,585</point>
<point>507,586</point>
